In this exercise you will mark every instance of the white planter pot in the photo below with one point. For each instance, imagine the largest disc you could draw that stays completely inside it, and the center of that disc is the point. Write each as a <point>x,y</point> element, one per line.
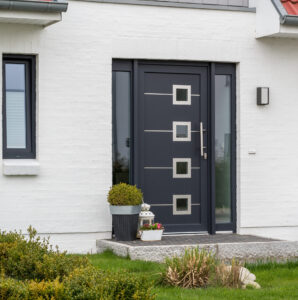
<point>151,235</point>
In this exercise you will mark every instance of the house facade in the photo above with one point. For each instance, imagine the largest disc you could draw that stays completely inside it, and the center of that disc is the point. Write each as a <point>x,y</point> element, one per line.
<point>193,101</point>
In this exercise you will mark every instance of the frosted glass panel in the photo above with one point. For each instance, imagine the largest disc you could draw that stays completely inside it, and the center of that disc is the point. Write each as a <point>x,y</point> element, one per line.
<point>121,126</point>
<point>223,148</point>
<point>15,120</point>
<point>15,106</point>
<point>15,76</point>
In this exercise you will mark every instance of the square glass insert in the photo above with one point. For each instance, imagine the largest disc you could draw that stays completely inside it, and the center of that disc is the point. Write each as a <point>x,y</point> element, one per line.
<point>181,168</point>
<point>181,131</point>
<point>181,204</point>
<point>182,94</point>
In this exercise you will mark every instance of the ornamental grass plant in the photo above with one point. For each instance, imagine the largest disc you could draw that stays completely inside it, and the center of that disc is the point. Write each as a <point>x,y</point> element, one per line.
<point>199,269</point>
<point>192,270</point>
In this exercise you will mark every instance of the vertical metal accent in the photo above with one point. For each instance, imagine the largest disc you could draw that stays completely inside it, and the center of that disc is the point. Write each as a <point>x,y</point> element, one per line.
<point>212,149</point>
<point>202,139</point>
<point>134,117</point>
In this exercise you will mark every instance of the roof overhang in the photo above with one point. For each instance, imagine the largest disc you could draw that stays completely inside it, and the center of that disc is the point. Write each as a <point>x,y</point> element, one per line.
<point>43,13</point>
<point>285,17</point>
<point>272,20</point>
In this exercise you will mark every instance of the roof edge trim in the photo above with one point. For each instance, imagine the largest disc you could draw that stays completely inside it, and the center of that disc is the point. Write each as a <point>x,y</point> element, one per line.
<point>40,6</point>
<point>177,4</point>
<point>285,18</point>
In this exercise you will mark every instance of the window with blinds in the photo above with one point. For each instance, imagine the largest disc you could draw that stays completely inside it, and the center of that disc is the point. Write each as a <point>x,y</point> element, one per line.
<point>18,106</point>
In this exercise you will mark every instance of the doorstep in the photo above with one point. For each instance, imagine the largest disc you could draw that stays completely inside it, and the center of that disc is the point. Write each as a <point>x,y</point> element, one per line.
<point>245,248</point>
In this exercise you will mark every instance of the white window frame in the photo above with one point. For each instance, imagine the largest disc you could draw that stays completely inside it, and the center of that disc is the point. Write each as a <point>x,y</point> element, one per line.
<point>181,212</point>
<point>186,87</point>
<point>181,139</point>
<point>188,161</point>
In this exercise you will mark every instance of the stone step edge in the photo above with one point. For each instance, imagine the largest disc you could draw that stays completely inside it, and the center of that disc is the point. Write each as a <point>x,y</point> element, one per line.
<point>252,252</point>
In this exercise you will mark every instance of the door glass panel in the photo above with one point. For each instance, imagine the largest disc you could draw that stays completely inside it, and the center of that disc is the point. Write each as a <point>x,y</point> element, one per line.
<point>121,126</point>
<point>15,106</point>
<point>223,148</point>
<point>181,167</point>
<point>182,131</point>
<point>181,204</point>
<point>181,95</point>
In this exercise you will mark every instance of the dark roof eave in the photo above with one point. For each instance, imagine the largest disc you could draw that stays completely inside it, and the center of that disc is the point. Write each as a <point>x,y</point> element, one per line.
<point>41,6</point>
<point>285,18</point>
<point>289,20</point>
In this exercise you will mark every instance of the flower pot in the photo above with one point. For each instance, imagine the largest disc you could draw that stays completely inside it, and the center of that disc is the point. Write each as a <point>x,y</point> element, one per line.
<point>125,221</point>
<point>151,235</point>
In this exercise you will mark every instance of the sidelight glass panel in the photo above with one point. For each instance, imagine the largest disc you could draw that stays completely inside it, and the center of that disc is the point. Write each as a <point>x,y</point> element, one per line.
<point>121,126</point>
<point>15,96</point>
<point>223,148</point>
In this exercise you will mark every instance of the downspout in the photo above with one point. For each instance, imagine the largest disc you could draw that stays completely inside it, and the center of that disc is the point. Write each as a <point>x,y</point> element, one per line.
<point>285,18</point>
<point>42,6</point>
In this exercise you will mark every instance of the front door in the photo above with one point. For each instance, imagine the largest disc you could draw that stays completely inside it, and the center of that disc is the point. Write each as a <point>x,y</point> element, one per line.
<point>171,161</point>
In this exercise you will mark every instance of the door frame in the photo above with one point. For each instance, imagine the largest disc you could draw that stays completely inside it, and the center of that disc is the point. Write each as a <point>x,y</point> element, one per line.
<point>130,65</point>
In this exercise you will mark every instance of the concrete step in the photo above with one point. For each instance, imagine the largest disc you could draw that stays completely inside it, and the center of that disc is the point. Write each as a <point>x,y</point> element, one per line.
<point>244,248</point>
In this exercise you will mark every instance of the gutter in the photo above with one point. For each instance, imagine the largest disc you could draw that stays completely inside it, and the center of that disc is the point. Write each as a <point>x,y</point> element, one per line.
<point>285,18</point>
<point>27,5</point>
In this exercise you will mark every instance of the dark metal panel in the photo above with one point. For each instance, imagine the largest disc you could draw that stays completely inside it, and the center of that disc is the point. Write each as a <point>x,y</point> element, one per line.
<point>139,85</point>
<point>212,149</point>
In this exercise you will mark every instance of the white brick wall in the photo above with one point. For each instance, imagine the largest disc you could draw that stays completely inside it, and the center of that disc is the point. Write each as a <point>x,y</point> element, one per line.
<point>68,197</point>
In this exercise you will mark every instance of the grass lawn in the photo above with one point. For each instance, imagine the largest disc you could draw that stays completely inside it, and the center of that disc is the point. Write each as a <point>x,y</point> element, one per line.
<point>277,281</point>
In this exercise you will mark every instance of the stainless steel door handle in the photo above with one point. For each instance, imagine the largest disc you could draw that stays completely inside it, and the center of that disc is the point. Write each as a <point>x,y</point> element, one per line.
<point>202,141</point>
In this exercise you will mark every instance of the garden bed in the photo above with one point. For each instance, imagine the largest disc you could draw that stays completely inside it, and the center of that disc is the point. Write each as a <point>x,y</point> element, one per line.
<point>278,281</point>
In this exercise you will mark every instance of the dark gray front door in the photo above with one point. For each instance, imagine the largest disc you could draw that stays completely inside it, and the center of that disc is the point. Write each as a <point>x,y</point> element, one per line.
<point>171,153</point>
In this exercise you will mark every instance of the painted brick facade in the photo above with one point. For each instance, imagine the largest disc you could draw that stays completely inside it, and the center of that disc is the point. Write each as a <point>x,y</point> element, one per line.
<point>68,197</point>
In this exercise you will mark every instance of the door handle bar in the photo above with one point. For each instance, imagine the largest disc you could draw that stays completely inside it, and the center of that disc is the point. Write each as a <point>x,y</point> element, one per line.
<point>202,138</point>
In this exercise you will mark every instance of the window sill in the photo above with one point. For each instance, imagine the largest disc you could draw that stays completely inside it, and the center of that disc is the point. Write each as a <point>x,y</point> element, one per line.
<point>20,167</point>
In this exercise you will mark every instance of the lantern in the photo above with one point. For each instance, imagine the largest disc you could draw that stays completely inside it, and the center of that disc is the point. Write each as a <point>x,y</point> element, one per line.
<point>145,216</point>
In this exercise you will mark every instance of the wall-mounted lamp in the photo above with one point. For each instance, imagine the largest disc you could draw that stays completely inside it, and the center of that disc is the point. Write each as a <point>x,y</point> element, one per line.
<point>262,96</point>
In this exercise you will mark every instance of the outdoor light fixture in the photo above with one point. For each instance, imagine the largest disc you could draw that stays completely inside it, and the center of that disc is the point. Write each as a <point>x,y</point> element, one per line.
<point>262,96</point>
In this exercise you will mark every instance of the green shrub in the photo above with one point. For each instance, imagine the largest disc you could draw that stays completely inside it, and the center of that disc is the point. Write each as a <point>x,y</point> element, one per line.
<point>194,269</point>
<point>12,289</point>
<point>32,270</point>
<point>82,284</point>
<point>34,258</point>
<point>125,194</point>
<point>91,283</point>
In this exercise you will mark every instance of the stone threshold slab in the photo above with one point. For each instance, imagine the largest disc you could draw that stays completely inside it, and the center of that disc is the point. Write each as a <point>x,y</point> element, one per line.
<point>251,252</point>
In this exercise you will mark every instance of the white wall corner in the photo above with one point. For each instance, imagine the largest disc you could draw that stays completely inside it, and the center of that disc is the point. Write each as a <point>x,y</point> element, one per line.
<point>252,3</point>
<point>267,19</point>
<point>17,167</point>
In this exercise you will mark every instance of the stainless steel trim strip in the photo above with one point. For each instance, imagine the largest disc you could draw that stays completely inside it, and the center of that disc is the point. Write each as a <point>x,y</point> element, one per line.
<point>165,94</point>
<point>167,168</point>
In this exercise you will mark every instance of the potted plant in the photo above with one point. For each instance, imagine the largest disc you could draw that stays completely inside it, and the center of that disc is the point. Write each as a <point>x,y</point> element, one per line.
<point>151,232</point>
<point>125,205</point>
